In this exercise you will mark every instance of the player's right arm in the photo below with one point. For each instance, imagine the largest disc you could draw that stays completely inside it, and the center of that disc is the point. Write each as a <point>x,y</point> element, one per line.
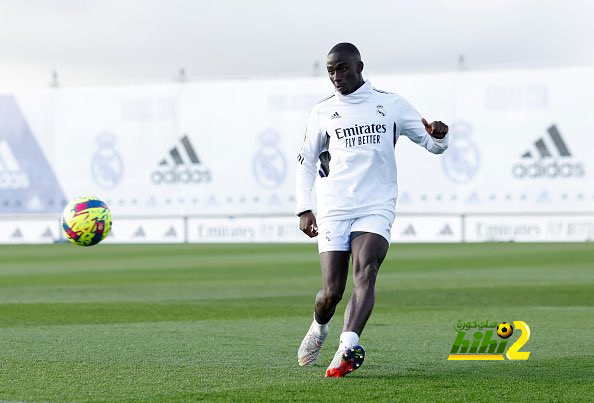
<point>306,174</point>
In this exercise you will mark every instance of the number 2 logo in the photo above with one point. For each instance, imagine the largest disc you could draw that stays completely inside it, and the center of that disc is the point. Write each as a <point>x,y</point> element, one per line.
<point>512,351</point>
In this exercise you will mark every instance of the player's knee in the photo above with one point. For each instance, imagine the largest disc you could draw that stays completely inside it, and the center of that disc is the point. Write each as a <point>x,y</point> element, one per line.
<point>366,275</point>
<point>331,296</point>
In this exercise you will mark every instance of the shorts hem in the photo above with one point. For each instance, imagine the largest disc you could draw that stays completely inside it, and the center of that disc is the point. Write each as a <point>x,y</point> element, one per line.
<point>333,249</point>
<point>387,214</point>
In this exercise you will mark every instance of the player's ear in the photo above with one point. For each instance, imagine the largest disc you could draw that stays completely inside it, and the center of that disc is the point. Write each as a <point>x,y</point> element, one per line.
<point>360,67</point>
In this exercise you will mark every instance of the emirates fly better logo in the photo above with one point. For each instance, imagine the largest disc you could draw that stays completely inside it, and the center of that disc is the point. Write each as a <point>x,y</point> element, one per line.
<point>550,158</point>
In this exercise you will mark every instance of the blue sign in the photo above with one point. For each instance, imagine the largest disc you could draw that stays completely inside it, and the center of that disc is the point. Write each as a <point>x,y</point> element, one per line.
<point>27,181</point>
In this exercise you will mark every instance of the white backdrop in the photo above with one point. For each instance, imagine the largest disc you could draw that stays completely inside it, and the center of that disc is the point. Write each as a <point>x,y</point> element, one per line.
<point>520,144</point>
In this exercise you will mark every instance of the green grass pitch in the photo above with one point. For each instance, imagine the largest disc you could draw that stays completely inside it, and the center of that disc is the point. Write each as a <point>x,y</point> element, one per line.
<point>223,322</point>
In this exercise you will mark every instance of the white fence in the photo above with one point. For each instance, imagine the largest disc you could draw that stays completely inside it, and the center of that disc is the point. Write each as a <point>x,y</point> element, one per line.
<point>519,144</point>
<point>569,227</point>
<point>175,161</point>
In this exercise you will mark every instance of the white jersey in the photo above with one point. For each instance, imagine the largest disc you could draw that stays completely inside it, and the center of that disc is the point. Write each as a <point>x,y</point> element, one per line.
<point>349,145</point>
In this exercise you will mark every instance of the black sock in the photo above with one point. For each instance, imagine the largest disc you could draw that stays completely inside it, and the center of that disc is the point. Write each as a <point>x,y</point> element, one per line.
<point>322,320</point>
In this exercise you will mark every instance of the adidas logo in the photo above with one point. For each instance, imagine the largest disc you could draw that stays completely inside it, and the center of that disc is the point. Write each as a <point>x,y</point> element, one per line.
<point>552,159</point>
<point>335,115</point>
<point>543,150</point>
<point>181,165</point>
<point>176,156</point>
<point>11,174</point>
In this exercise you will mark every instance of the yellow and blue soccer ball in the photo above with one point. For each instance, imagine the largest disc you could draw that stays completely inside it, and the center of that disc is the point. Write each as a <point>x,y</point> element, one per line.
<point>86,221</point>
<point>504,330</point>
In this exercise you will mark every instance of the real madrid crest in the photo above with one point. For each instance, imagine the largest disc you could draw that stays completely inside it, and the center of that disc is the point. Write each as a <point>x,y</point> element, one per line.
<point>462,160</point>
<point>380,111</point>
<point>270,165</point>
<point>107,166</point>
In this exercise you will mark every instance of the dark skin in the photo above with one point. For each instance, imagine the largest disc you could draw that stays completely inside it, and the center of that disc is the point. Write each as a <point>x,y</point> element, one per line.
<point>368,250</point>
<point>345,72</point>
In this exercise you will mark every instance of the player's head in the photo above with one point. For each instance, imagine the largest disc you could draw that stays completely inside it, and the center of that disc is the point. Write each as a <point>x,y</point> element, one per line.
<point>345,68</point>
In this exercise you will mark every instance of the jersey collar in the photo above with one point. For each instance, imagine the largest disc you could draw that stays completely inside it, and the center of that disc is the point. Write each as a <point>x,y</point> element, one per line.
<point>362,93</point>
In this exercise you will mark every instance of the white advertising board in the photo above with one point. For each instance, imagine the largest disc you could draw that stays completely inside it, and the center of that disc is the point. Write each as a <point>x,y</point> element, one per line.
<point>30,230</point>
<point>254,229</point>
<point>147,230</point>
<point>518,144</point>
<point>407,228</point>
<point>228,148</point>
<point>530,228</point>
<point>427,228</point>
<point>218,148</point>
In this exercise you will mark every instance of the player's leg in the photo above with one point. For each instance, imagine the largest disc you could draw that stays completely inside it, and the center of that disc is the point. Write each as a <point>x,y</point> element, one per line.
<point>335,268</point>
<point>334,260</point>
<point>369,246</point>
<point>368,250</point>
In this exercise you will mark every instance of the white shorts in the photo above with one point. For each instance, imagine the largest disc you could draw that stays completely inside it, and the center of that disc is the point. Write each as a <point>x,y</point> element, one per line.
<point>336,235</point>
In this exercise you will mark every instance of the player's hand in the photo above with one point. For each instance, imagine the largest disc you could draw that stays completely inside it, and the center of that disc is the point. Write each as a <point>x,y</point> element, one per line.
<point>435,129</point>
<point>307,224</point>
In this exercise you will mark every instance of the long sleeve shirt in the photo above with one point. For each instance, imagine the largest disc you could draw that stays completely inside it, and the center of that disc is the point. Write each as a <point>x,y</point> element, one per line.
<point>349,147</point>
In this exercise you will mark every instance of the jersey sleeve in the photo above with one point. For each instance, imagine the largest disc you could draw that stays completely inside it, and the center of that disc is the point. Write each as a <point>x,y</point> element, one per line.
<point>412,127</point>
<point>306,163</point>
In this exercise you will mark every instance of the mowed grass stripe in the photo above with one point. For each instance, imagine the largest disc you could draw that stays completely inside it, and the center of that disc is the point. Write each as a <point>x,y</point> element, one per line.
<point>223,322</point>
<point>231,308</point>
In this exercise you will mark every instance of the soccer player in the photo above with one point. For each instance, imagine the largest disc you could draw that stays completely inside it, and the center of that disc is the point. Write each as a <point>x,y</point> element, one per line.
<point>349,143</point>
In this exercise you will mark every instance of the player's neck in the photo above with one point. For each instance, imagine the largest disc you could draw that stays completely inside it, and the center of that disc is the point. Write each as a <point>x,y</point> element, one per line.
<point>362,92</point>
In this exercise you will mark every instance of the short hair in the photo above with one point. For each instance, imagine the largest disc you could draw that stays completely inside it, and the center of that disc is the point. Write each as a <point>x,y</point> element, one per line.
<point>346,48</point>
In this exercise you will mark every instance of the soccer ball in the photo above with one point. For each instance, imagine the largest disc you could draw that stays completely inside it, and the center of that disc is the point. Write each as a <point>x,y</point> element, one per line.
<point>504,330</point>
<point>86,221</point>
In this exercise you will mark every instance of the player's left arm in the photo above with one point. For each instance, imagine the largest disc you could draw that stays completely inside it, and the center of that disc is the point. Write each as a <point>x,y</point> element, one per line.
<point>433,136</point>
<point>438,130</point>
